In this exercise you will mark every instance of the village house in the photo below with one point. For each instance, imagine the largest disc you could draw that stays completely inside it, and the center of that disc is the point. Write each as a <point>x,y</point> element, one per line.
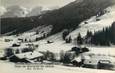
<point>23,53</point>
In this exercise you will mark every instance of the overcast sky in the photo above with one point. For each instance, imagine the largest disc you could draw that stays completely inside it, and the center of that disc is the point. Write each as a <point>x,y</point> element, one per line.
<point>34,3</point>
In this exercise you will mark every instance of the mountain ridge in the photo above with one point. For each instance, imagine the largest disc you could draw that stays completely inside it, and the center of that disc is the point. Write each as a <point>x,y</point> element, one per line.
<point>67,17</point>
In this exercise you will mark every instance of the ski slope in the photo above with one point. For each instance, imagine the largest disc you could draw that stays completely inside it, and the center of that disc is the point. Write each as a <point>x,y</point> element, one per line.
<point>105,20</point>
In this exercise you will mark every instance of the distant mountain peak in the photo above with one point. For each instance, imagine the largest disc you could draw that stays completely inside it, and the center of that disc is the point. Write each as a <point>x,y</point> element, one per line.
<point>2,10</point>
<point>35,11</point>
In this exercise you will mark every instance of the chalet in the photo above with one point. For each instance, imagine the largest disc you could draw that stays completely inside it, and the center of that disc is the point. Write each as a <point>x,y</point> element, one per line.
<point>30,38</point>
<point>16,44</point>
<point>31,57</point>
<point>49,42</point>
<point>8,40</point>
<point>105,64</point>
<point>77,61</point>
<point>16,49</point>
<point>77,50</point>
<point>91,60</point>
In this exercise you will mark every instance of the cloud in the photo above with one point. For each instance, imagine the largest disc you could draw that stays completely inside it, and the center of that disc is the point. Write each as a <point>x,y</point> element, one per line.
<point>33,3</point>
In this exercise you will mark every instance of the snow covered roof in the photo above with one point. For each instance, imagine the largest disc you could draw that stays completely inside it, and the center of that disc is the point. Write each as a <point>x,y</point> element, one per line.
<point>29,55</point>
<point>78,59</point>
<point>21,47</point>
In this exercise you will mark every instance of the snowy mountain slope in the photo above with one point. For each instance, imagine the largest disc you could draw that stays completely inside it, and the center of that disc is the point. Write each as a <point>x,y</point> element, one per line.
<point>68,16</point>
<point>105,20</point>
<point>93,25</point>
<point>41,30</point>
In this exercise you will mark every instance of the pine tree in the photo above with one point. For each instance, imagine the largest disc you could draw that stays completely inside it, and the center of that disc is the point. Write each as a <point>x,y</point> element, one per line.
<point>113,32</point>
<point>79,39</point>
<point>64,34</point>
<point>37,32</point>
<point>68,40</point>
<point>104,37</point>
<point>88,36</point>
